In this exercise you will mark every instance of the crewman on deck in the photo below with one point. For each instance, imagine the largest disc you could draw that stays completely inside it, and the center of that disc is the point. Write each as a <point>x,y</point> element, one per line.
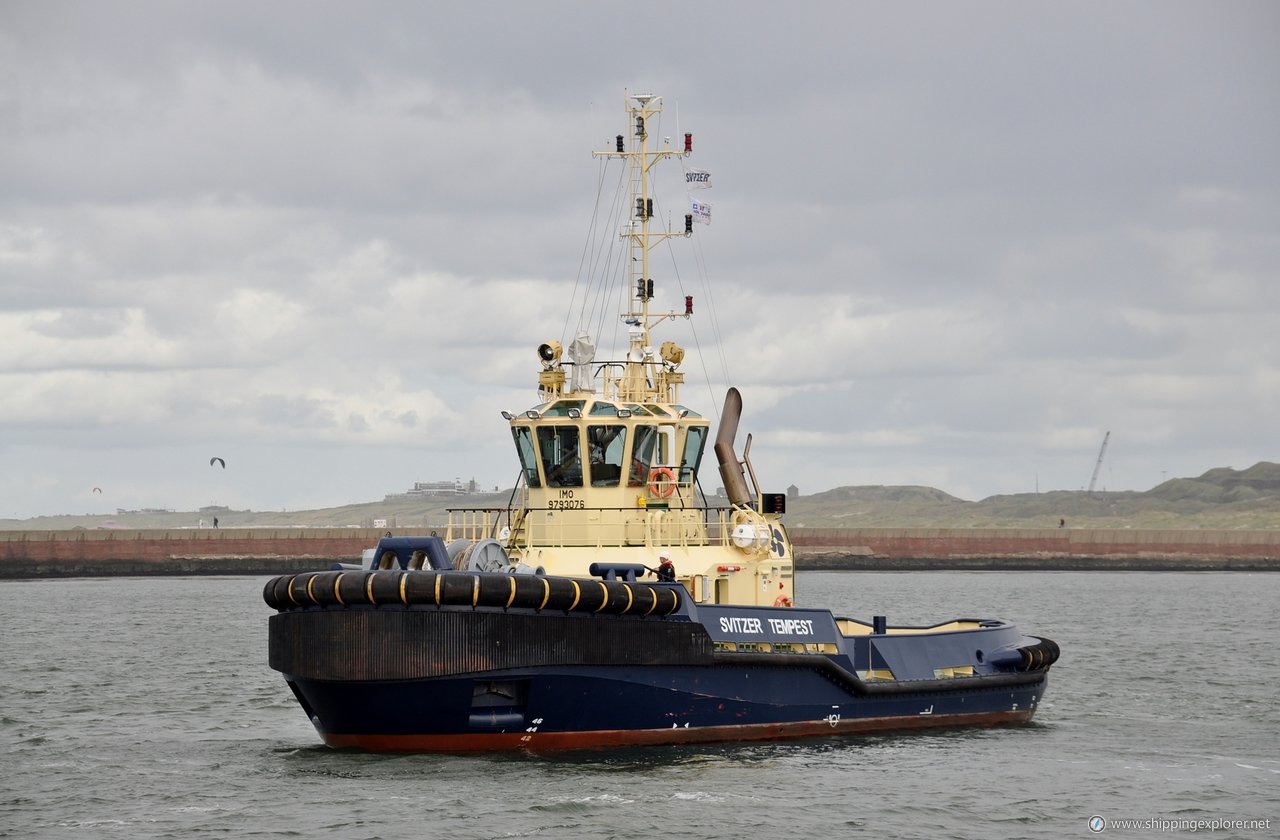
<point>666,571</point>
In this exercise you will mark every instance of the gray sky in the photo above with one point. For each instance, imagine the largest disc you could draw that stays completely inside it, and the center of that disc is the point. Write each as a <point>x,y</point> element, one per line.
<point>953,243</point>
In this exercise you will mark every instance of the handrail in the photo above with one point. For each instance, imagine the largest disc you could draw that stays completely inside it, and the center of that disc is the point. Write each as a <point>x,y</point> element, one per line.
<point>609,527</point>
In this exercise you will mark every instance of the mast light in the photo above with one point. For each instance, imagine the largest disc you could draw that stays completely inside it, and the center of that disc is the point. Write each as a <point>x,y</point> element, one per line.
<point>688,142</point>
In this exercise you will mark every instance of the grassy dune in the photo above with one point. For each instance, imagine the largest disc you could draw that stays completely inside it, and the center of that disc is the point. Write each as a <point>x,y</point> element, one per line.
<point>1221,498</point>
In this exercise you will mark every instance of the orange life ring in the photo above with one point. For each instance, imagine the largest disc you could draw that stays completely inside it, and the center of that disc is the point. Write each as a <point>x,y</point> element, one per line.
<point>782,601</point>
<point>660,490</point>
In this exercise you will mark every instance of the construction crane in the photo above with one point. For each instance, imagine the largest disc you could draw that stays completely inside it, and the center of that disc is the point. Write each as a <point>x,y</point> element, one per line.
<point>1098,466</point>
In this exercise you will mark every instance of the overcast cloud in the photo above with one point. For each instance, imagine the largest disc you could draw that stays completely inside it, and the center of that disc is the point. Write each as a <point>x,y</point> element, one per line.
<point>953,244</point>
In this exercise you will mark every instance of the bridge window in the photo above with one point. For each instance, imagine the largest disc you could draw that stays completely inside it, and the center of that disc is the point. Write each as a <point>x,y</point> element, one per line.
<point>528,458</point>
<point>562,408</point>
<point>643,456</point>
<point>561,455</point>
<point>694,440</point>
<point>607,446</point>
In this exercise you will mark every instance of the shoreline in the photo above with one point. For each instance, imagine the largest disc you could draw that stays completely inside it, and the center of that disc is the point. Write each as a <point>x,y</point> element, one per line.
<point>119,553</point>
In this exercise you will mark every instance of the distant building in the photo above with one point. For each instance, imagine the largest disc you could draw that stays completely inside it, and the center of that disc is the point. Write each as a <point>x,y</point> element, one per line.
<point>793,492</point>
<point>435,488</point>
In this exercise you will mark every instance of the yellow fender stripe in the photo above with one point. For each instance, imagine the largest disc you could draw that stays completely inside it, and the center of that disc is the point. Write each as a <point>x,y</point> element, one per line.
<point>337,594</point>
<point>653,593</point>
<point>546,593</point>
<point>577,595</point>
<point>511,579</point>
<point>311,582</point>
<point>404,580</point>
<point>631,598</point>
<point>439,583</point>
<point>289,589</point>
<point>604,601</point>
<point>368,589</point>
<point>475,590</point>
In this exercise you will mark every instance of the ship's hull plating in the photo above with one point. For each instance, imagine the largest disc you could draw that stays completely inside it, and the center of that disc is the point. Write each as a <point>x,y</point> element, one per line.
<point>582,708</point>
<point>399,660</point>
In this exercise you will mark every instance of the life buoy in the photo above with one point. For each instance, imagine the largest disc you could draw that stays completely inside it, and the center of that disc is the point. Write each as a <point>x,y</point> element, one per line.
<point>657,486</point>
<point>782,601</point>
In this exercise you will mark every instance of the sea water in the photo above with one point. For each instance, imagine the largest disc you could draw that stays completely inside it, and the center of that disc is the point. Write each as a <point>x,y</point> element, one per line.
<point>144,707</point>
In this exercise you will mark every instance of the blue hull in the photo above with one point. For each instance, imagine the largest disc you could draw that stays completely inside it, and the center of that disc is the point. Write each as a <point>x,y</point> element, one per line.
<point>394,661</point>
<point>575,708</point>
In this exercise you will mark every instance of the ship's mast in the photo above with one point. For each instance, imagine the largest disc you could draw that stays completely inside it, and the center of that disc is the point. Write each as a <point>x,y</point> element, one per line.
<point>641,238</point>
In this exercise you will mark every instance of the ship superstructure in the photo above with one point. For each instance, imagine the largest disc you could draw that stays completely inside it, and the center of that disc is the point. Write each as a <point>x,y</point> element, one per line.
<point>611,458</point>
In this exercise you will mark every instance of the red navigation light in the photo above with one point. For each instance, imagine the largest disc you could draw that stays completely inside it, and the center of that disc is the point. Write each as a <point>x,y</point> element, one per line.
<point>688,304</point>
<point>688,142</point>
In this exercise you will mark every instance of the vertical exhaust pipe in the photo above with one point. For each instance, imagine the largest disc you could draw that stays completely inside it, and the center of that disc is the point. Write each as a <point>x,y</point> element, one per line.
<point>735,481</point>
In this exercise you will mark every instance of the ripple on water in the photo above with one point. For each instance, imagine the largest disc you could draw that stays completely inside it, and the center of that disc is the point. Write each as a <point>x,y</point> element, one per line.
<point>165,722</point>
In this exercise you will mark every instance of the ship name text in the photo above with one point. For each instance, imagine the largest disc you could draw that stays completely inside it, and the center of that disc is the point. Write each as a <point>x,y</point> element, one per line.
<point>778,626</point>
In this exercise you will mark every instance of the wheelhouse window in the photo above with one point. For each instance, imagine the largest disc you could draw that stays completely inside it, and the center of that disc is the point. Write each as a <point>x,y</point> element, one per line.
<point>694,441</point>
<point>528,456</point>
<point>642,456</point>
<point>606,447</point>
<point>561,455</point>
<point>562,408</point>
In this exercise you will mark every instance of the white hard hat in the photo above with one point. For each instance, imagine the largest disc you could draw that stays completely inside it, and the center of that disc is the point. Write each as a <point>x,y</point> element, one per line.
<point>664,555</point>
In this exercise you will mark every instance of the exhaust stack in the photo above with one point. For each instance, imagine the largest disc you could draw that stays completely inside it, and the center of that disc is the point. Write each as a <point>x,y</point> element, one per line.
<point>735,481</point>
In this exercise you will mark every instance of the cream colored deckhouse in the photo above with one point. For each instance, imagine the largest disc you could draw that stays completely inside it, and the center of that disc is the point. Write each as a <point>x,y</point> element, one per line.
<point>610,457</point>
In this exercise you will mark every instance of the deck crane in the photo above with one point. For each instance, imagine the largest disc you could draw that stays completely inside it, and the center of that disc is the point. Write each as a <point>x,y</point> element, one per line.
<point>1098,466</point>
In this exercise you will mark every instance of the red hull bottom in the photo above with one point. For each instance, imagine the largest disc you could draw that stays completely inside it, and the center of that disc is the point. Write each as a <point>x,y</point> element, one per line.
<point>609,739</point>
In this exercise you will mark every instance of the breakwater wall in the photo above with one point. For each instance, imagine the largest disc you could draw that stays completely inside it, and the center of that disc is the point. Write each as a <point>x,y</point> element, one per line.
<point>1041,549</point>
<point>266,551</point>
<point>206,551</point>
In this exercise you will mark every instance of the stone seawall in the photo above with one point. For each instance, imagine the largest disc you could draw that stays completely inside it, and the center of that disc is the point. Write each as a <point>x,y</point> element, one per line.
<point>252,551</point>
<point>1053,549</point>
<point>229,551</point>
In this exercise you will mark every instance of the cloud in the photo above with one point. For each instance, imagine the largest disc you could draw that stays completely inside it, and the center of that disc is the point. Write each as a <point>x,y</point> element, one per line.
<point>949,249</point>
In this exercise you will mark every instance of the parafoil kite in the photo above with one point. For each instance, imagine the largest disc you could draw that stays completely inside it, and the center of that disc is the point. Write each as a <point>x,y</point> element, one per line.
<point>217,460</point>
<point>98,490</point>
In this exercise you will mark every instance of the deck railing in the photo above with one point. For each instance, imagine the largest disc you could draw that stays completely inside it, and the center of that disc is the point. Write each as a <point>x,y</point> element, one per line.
<point>596,527</point>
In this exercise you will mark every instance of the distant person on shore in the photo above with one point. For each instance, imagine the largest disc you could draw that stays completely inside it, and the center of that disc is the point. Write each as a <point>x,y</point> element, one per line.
<point>1062,523</point>
<point>215,522</point>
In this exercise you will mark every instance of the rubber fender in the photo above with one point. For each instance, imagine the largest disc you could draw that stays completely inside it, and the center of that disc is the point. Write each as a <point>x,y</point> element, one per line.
<point>495,590</point>
<point>421,587</point>
<point>1040,655</point>
<point>352,587</point>
<point>384,588</point>
<point>457,589</point>
<point>532,591</point>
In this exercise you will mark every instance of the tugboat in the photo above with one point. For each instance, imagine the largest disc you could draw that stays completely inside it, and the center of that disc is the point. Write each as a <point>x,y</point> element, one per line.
<point>537,627</point>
